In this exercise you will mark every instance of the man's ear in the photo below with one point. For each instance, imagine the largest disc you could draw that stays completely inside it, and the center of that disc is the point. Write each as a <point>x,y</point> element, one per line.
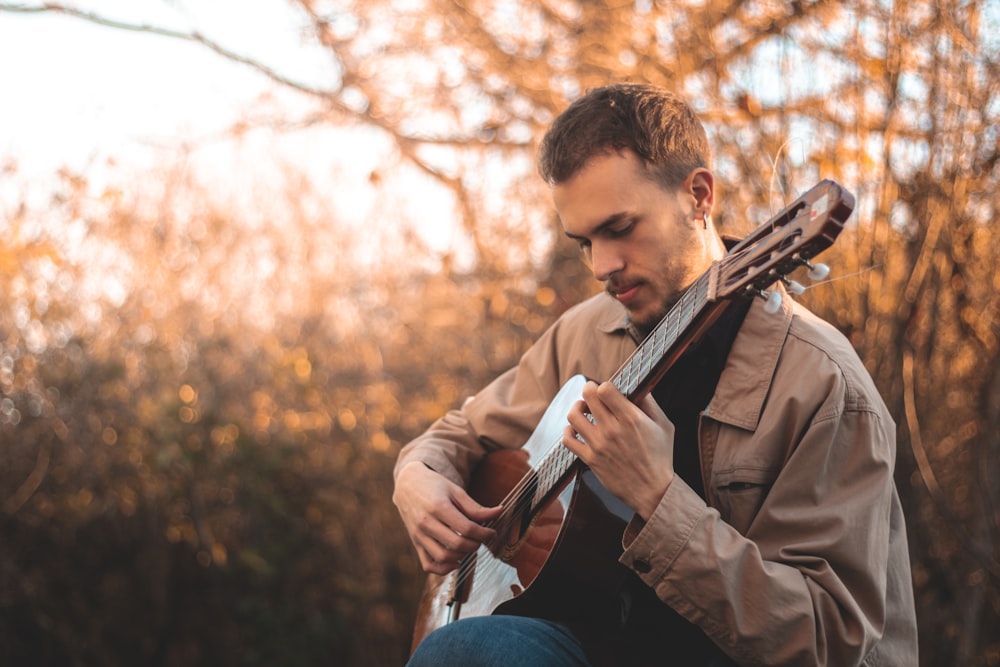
<point>701,184</point>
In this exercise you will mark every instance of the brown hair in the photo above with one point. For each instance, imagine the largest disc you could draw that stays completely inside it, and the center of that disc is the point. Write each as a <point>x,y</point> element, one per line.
<point>654,123</point>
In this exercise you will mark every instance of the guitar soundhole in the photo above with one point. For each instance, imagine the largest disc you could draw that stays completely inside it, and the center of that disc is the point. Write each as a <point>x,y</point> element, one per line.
<point>515,538</point>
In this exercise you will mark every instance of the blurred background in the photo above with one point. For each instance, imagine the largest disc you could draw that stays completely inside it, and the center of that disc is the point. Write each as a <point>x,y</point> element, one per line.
<point>248,250</point>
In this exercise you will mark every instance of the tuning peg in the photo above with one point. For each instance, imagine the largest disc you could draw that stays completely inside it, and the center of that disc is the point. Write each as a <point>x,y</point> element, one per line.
<point>793,286</point>
<point>772,299</point>
<point>817,271</point>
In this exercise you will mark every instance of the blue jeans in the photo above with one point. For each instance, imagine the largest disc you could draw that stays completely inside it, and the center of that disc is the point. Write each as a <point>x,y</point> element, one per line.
<point>500,641</point>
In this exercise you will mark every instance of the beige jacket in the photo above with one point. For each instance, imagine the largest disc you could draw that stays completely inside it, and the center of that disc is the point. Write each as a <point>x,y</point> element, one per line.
<point>799,556</point>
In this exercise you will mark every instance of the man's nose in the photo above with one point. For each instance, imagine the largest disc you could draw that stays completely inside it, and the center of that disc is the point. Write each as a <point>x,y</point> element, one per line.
<point>606,260</point>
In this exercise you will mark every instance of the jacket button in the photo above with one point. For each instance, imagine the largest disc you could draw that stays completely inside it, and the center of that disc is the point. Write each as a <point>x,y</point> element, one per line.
<point>641,566</point>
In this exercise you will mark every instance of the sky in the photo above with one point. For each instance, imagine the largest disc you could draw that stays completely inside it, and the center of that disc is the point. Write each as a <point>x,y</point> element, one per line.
<point>104,101</point>
<point>74,91</point>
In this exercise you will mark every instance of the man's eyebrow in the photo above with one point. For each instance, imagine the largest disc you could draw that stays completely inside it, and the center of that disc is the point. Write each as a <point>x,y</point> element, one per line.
<point>609,221</point>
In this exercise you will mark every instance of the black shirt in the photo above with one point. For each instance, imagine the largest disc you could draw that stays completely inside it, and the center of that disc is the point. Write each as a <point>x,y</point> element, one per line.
<point>686,389</point>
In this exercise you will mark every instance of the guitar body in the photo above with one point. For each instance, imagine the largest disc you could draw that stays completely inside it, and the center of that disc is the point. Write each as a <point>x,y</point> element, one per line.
<point>559,560</point>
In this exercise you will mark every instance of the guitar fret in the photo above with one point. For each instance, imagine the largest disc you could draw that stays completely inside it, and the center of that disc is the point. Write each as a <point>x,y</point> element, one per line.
<point>550,470</point>
<point>543,483</point>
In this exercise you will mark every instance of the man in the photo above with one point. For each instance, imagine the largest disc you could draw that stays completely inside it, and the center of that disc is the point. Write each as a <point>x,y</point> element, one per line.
<point>766,528</point>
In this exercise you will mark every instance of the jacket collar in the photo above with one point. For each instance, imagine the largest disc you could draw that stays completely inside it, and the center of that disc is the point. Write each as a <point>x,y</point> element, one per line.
<point>745,380</point>
<point>613,317</point>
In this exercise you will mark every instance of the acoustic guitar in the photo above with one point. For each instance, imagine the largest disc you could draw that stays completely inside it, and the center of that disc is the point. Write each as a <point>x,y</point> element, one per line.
<point>559,533</point>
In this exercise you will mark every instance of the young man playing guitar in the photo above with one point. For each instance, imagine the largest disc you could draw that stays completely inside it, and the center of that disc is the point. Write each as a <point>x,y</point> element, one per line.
<point>747,479</point>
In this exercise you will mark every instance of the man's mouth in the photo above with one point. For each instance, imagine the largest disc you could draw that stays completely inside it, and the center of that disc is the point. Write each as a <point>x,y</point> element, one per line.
<point>626,294</point>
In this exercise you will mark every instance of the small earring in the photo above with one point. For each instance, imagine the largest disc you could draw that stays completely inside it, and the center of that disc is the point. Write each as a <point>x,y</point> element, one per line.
<point>704,218</point>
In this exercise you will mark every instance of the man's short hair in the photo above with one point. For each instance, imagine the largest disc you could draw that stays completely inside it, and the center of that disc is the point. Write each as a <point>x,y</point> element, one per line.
<point>652,122</point>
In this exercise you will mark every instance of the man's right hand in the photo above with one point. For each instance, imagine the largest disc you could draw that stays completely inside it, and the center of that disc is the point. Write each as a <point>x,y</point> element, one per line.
<point>443,521</point>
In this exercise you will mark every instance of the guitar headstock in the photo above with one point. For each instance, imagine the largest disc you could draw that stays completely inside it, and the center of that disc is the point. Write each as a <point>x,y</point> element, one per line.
<point>801,231</point>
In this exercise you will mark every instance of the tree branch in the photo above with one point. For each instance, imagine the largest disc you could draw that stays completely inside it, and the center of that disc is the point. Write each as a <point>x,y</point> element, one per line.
<point>193,36</point>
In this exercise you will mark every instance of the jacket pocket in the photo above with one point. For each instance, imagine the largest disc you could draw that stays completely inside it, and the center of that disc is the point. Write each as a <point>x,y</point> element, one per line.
<point>740,493</point>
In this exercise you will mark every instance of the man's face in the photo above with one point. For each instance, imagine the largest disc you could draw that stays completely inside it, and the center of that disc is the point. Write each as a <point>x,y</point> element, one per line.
<point>645,243</point>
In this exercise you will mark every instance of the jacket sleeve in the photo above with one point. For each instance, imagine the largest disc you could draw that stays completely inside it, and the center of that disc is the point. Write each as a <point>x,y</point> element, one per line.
<point>794,571</point>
